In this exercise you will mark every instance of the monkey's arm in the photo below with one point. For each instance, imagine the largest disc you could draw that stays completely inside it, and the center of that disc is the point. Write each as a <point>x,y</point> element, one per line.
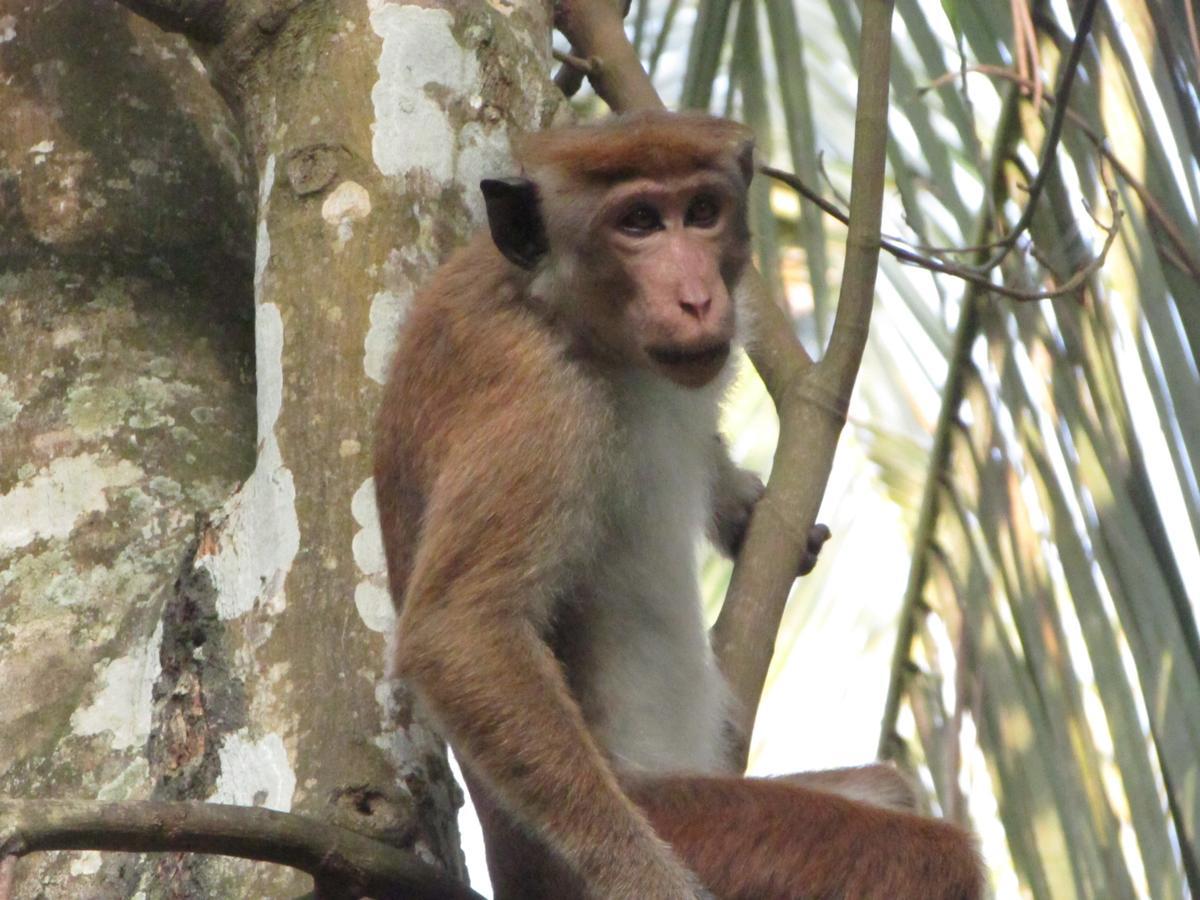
<point>735,493</point>
<point>503,531</point>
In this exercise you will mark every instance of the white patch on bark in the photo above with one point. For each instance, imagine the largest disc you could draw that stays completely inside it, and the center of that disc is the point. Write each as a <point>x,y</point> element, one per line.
<point>130,784</point>
<point>406,748</point>
<point>255,773</point>
<point>260,531</point>
<point>371,596</point>
<point>268,361</point>
<point>262,241</point>
<point>86,863</point>
<point>42,148</point>
<point>388,312</point>
<point>10,406</point>
<point>258,527</point>
<point>346,204</point>
<point>54,499</point>
<point>483,153</point>
<point>124,703</point>
<point>412,130</point>
<point>374,605</point>
<point>67,335</point>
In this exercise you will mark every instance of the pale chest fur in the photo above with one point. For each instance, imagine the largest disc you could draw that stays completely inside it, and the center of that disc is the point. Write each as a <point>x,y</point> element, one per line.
<point>647,679</point>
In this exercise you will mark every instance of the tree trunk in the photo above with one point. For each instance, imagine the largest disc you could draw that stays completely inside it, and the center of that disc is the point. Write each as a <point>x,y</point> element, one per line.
<point>165,632</point>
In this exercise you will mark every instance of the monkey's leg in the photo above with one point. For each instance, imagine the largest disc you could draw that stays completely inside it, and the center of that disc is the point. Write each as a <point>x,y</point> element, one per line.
<point>519,730</point>
<point>771,839</point>
<point>878,784</point>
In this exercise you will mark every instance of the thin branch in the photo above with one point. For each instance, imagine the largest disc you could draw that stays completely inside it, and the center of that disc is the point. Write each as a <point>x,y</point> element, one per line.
<point>1050,144</point>
<point>1026,48</point>
<point>202,20</point>
<point>969,274</point>
<point>1183,255</point>
<point>569,78</point>
<point>362,865</point>
<point>596,30</point>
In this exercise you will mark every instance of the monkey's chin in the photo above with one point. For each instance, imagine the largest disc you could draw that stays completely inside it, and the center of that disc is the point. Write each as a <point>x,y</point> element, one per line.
<point>690,367</point>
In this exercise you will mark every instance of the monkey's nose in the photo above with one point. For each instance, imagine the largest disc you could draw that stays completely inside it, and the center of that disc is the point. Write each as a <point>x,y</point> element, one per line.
<point>697,307</point>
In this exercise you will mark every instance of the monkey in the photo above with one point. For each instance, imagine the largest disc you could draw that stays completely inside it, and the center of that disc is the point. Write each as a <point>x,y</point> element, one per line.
<point>546,459</point>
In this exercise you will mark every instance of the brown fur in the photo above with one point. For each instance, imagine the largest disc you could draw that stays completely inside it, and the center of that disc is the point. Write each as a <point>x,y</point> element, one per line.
<point>498,458</point>
<point>644,144</point>
<point>768,839</point>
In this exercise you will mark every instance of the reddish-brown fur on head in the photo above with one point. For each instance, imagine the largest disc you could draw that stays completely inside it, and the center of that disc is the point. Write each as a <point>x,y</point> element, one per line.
<point>650,144</point>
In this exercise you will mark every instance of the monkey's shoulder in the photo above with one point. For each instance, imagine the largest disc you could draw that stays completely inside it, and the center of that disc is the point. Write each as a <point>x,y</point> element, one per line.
<point>472,317</point>
<point>475,363</point>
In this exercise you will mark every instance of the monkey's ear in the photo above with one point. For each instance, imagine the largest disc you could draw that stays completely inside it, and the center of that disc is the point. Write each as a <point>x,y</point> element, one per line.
<point>745,159</point>
<point>515,219</point>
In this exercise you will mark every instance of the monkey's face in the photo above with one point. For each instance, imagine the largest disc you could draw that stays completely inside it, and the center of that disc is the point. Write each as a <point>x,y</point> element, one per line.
<point>665,255</point>
<point>634,232</point>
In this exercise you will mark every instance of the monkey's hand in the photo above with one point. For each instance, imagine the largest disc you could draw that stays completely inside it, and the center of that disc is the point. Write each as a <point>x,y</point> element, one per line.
<point>817,536</point>
<point>735,496</point>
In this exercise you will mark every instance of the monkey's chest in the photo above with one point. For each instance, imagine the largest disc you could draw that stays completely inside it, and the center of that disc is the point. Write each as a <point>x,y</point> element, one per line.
<point>644,674</point>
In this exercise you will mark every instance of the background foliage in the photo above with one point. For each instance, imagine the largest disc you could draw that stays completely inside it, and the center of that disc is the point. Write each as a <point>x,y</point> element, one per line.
<point>1037,458</point>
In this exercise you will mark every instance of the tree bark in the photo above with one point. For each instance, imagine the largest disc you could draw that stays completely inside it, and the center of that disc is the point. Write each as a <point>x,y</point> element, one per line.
<point>125,405</point>
<point>126,392</point>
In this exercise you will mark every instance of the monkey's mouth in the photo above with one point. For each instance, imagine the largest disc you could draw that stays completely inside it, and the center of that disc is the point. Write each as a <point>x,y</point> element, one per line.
<point>691,366</point>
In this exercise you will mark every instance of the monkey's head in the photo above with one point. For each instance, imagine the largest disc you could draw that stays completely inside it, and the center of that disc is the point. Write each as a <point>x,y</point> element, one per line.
<point>634,234</point>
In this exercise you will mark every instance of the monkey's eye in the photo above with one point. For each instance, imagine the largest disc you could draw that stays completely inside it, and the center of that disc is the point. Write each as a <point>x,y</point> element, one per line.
<point>703,212</point>
<point>640,220</point>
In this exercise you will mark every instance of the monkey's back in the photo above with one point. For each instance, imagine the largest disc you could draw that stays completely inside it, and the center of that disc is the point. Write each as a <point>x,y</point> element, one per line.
<point>475,367</point>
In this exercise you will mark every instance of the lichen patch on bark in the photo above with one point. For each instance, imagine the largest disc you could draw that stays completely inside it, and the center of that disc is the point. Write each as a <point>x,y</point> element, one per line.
<point>259,527</point>
<point>411,128</point>
<point>123,705</point>
<point>371,597</point>
<point>388,311</point>
<point>10,406</point>
<point>50,503</point>
<point>346,204</point>
<point>255,772</point>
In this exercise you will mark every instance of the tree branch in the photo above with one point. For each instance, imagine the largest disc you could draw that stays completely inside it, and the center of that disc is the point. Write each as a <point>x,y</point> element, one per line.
<point>811,399</point>
<point>583,66</point>
<point>328,852</point>
<point>596,30</point>
<point>812,405</point>
<point>8,876</point>
<point>201,20</point>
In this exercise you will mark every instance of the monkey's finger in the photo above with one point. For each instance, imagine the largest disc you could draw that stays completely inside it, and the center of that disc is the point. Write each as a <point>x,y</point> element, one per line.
<point>816,539</point>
